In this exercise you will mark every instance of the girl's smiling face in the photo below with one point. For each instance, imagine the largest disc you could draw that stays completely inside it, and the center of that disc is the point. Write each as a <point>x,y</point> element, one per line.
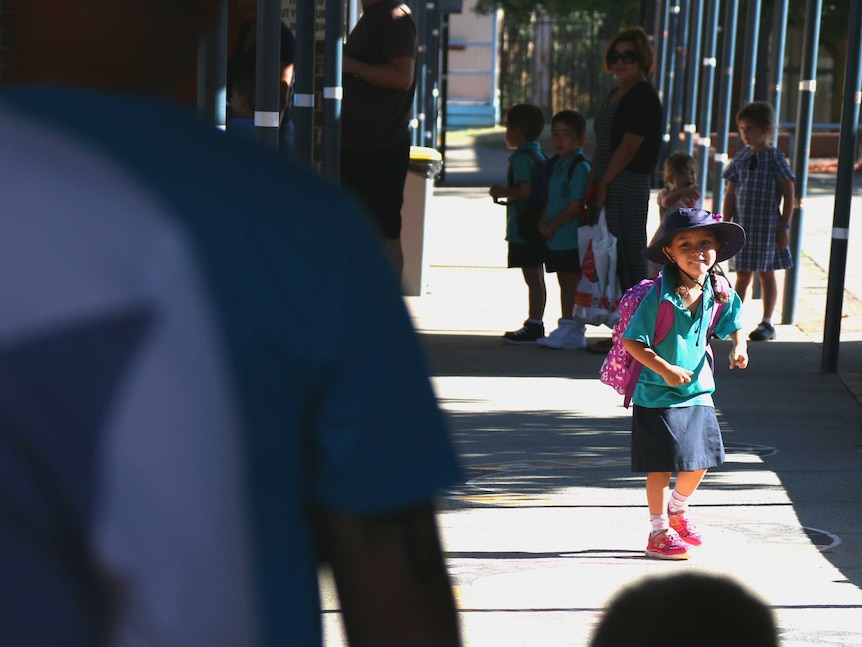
<point>694,251</point>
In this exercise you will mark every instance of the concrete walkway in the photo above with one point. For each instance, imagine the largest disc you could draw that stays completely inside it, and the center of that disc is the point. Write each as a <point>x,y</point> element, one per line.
<point>550,521</point>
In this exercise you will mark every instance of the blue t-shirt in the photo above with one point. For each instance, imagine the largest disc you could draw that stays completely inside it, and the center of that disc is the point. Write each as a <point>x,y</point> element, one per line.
<point>524,168</point>
<point>561,192</point>
<point>685,345</point>
<point>296,275</point>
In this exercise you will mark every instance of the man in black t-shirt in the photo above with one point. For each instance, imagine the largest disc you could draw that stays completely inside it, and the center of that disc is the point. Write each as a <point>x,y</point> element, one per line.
<point>379,81</point>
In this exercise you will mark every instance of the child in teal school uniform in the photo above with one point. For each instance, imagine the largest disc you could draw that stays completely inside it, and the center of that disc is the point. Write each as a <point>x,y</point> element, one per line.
<point>524,125</point>
<point>566,196</point>
<point>674,426</point>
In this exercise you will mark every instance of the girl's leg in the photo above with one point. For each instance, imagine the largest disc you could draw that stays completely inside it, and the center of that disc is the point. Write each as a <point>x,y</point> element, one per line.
<point>769,293</point>
<point>657,491</point>
<point>686,484</point>
<point>534,277</point>
<point>743,280</point>
<point>661,544</point>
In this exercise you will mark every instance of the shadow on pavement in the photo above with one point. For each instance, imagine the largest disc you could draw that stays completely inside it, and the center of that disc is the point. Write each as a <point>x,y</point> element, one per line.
<point>561,439</point>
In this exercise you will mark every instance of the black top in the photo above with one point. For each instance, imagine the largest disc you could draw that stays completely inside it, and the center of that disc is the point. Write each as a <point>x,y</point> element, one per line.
<point>640,113</point>
<point>374,118</point>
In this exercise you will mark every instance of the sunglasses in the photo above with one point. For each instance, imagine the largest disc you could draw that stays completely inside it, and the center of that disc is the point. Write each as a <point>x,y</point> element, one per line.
<point>628,57</point>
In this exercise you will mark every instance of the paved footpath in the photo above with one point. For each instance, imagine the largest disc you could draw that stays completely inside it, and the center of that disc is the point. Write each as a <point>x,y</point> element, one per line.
<point>550,521</point>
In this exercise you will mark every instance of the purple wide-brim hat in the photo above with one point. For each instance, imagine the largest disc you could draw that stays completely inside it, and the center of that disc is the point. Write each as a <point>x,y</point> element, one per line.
<point>730,235</point>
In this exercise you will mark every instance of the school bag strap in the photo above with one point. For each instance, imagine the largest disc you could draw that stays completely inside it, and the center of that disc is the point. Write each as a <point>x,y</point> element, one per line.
<point>539,159</point>
<point>619,369</point>
<point>663,324</point>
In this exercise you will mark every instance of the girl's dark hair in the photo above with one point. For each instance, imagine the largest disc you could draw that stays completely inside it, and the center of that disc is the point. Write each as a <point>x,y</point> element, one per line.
<point>760,113</point>
<point>678,163</point>
<point>672,270</point>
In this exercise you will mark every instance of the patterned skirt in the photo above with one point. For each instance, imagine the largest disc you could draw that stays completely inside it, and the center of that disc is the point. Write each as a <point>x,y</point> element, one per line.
<point>626,208</point>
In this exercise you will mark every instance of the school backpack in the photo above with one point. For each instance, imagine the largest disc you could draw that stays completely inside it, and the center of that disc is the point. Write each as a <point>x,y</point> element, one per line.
<point>620,370</point>
<point>530,215</point>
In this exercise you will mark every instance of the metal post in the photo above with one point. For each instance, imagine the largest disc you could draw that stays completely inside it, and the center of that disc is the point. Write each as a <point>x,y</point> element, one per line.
<point>843,192</point>
<point>696,45</point>
<point>807,88</point>
<point>725,94</point>
<point>669,75</point>
<point>332,89</point>
<point>662,47</point>
<point>679,79</point>
<point>419,9</point>
<point>212,54</point>
<point>268,73</point>
<point>776,72</point>
<point>750,49</point>
<point>707,90</point>
<point>303,82</point>
<point>432,91</point>
<point>444,91</point>
<point>749,53</point>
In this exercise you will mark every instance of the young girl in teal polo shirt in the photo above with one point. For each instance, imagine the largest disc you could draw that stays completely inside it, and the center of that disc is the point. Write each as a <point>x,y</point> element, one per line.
<point>674,426</point>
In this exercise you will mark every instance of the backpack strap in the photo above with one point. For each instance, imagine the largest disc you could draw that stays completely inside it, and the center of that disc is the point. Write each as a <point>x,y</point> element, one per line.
<point>540,162</point>
<point>580,158</point>
<point>663,324</point>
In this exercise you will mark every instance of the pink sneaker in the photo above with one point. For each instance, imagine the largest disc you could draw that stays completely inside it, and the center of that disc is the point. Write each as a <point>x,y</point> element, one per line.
<point>666,545</point>
<point>685,528</point>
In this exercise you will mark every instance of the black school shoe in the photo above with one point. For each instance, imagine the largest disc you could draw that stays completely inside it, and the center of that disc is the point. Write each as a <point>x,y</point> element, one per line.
<point>763,332</point>
<point>528,334</point>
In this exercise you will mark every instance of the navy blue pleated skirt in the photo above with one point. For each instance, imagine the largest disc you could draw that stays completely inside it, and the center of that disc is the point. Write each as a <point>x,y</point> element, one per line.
<point>676,439</point>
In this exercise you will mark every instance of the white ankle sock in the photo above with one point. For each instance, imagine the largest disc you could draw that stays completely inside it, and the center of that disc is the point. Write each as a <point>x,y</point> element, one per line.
<point>677,502</point>
<point>767,320</point>
<point>659,522</point>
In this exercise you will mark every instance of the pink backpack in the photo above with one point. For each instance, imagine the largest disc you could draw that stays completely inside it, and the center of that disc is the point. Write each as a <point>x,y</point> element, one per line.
<point>620,370</point>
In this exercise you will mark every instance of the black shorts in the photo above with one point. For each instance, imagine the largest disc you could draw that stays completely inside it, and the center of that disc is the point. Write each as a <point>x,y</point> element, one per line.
<point>566,260</point>
<point>521,255</point>
<point>676,439</point>
<point>377,178</point>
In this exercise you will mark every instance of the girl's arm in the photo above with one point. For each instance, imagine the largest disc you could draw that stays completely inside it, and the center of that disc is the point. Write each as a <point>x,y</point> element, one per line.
<point>782,240</point>
<point>729,206</point>
<point>667,197</point>
<point>739,350</point>
<point>673,375</point>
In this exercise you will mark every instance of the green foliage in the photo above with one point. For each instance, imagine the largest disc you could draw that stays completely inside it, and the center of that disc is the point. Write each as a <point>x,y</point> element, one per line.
<point>617,14</point>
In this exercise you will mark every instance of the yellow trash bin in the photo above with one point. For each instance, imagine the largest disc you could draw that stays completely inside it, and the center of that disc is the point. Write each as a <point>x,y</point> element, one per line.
<point>425,164</point>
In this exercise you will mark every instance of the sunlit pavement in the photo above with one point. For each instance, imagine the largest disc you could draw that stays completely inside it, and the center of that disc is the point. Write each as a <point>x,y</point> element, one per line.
<point>550,521</point>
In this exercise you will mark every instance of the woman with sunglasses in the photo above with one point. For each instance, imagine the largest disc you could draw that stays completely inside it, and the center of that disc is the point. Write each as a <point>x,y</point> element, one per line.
<point>628,130</point>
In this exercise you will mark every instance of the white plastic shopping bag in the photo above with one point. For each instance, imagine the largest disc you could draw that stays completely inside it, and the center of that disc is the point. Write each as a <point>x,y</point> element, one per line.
<point>598,291</point>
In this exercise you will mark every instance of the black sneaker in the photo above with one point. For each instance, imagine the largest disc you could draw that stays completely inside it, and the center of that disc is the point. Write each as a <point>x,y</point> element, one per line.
<point>763,332</point>
<point>526,335</point>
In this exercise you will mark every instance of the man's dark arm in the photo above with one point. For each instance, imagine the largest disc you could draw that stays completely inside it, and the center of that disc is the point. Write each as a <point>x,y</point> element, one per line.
<point>391,578</point>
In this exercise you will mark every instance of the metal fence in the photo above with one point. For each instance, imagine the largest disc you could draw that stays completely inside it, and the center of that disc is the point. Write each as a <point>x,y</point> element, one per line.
<point>555,64</point>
